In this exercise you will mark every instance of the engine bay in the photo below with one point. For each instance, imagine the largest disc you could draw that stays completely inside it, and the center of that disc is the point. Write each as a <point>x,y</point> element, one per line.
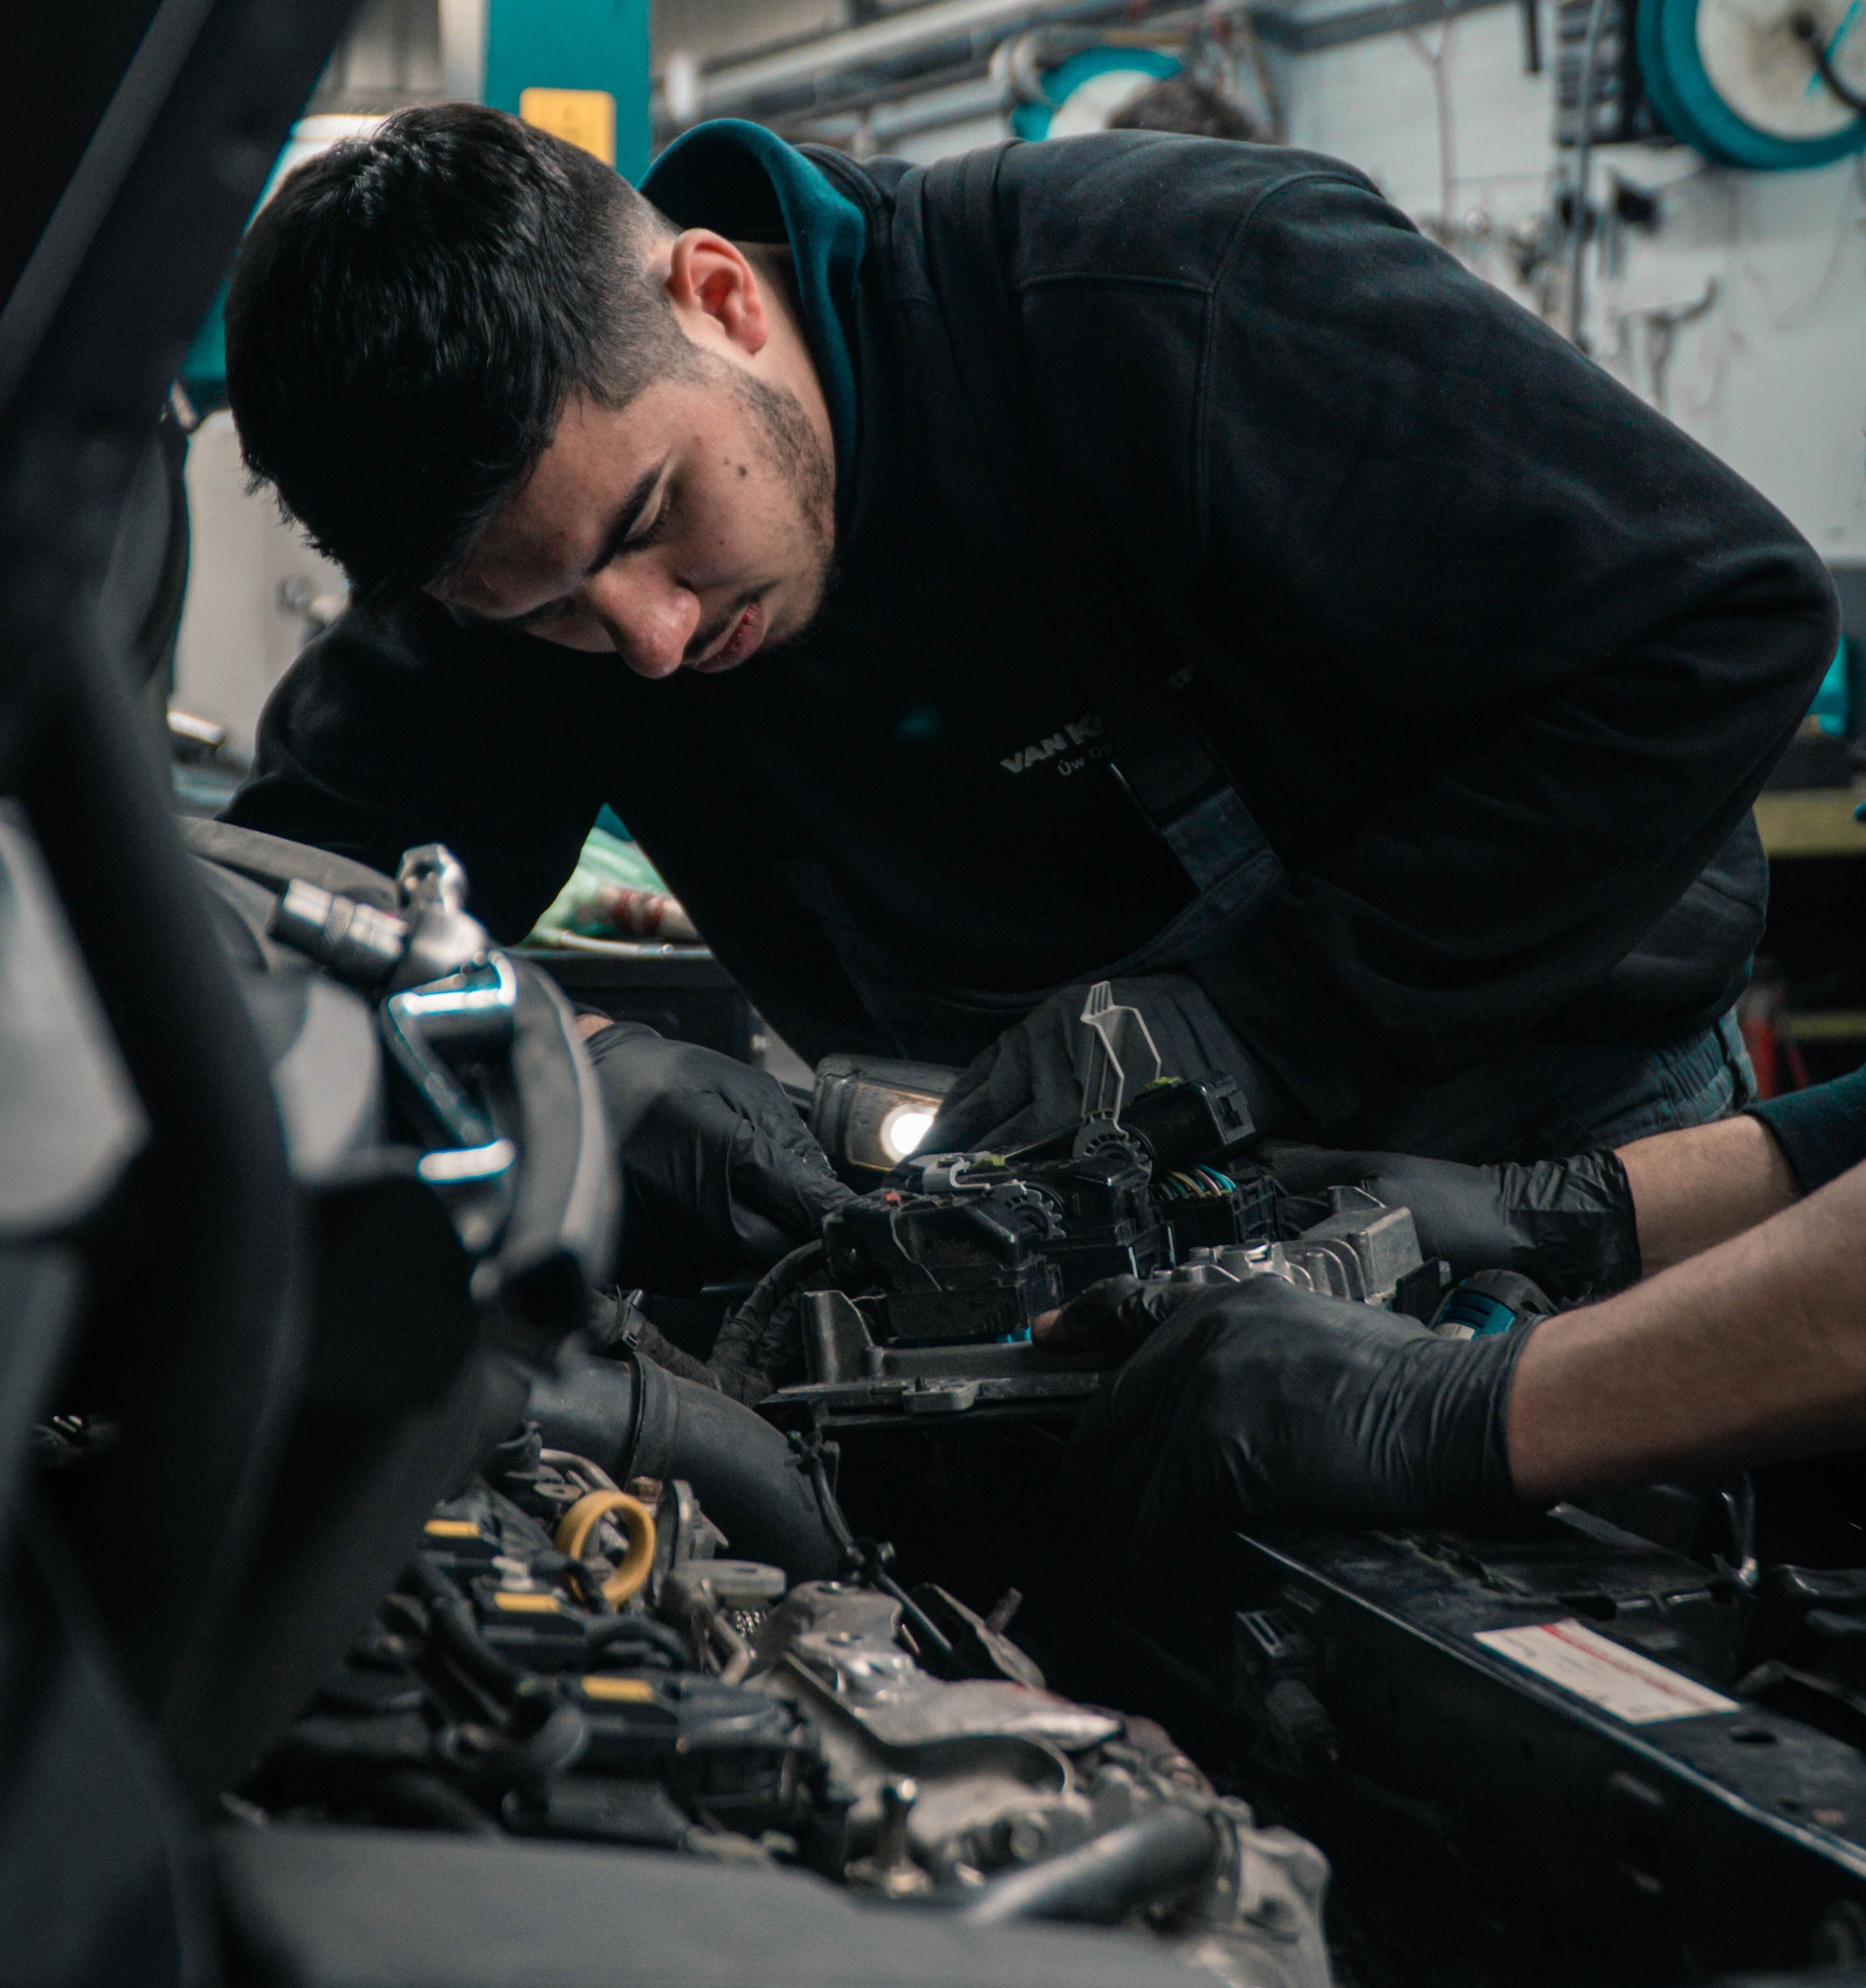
<point>851,1637</point>
<point>1634,1732</point>
<point>564,1659</point>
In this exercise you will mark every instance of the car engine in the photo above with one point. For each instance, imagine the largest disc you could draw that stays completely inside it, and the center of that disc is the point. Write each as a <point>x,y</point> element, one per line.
<point>565,1659</point>
<point>922,1300</point>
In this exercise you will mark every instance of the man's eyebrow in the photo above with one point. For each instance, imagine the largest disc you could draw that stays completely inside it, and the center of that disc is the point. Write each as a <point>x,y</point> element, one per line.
<point>626,514</point>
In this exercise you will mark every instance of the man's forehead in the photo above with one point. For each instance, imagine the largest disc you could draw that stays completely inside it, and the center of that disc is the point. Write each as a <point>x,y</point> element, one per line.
<point>549,527</point>
<point>565,498</point>
<point>516,553</point>
<point>594,451</point>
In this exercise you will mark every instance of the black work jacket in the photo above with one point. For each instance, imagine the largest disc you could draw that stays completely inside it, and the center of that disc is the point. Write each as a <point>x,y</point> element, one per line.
<point>1497,657</point>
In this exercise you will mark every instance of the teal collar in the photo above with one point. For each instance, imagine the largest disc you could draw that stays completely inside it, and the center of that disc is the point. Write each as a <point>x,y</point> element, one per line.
<point>745,183</point>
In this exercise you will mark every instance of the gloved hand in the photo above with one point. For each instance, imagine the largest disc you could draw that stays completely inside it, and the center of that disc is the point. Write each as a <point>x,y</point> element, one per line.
<point>1569,1224</point>
<point>720,1177</point>
<point>1027,1086</point>
<point>1260,1400</point>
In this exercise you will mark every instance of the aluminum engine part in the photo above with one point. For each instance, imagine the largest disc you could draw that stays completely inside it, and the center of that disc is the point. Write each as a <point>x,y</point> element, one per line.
<point>1364,1251</point>
<point>1257,1922</point>
<point>989,1760</point>
<point>954,1783</point>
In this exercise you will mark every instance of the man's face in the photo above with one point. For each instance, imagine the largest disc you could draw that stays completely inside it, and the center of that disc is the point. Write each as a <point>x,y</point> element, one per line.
<point>684,531</point>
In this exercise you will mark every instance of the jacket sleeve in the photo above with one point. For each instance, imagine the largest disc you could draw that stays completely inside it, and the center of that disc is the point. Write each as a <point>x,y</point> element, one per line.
<point>396,729</point>
<point>1445,520</point>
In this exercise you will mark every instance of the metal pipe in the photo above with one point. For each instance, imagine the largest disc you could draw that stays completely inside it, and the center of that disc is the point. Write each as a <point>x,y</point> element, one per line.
<point>930,100</point>
<point>1141,1864</point>
<point>905,35</point>
<point>945,45</point>
<point>945,35</point>
<point>914,103</point>
<point>960,104</point>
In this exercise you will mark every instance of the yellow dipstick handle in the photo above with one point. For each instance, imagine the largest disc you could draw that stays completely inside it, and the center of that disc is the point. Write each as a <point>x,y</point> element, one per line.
<point>574,1529</point>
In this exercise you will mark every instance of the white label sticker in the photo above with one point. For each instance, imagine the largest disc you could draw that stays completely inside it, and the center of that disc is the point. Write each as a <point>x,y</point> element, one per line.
<point>1617,1679</point>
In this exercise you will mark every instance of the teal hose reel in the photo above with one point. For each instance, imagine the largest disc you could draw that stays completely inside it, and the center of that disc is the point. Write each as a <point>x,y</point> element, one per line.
<point>1773,85</point>
<point>1082,93</point>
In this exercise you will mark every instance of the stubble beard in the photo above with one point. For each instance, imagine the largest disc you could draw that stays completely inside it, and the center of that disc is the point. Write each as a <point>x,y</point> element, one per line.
<point>795,451</point>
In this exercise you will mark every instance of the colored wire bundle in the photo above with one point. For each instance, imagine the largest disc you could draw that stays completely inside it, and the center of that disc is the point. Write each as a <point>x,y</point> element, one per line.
<point>1200,1184</point>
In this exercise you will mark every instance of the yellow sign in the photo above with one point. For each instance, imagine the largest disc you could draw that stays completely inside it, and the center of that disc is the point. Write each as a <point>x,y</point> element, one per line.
<point>585,118</point>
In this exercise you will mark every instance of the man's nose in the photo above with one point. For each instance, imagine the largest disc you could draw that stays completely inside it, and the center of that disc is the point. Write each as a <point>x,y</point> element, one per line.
<point>650,620</point>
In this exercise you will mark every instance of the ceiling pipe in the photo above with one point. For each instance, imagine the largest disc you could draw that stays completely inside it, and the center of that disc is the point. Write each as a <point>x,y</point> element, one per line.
<point>824,73</point>
<point>902,111</point>
<point>949,42</point>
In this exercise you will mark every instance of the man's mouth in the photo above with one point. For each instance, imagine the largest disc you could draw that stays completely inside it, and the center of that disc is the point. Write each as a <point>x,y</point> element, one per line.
<point>738,641</point>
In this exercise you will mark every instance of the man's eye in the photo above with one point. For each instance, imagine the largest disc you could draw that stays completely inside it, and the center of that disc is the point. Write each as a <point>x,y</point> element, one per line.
<point>655,529</point>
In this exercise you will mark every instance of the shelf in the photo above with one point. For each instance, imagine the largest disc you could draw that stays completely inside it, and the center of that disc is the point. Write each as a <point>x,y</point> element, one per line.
<point>1824,1025</point>
<point>1811,821</point>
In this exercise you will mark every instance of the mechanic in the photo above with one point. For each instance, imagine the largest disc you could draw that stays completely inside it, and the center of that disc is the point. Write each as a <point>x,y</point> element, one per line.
<point>1132,556</point>
<point>1736,1337</point>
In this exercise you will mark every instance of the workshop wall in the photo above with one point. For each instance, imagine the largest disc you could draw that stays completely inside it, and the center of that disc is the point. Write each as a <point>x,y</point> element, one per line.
<point>256,591</point>
<point>1770,373</point>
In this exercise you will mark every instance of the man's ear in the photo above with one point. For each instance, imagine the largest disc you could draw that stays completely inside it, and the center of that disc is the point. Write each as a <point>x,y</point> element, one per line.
<point>715,293</point>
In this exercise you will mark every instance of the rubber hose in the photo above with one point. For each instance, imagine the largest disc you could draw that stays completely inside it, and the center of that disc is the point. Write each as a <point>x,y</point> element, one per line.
<point>1139,1864</point>
<point>743,1470</point>
<point>638,1633</point>
<point>451,1615</point>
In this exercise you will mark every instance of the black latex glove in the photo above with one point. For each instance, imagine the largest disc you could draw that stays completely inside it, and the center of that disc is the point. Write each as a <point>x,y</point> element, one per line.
<point>1260,1400</point>
<point>720,1178</point>
<point>1027,1086</point>
<point>1569,1224</point>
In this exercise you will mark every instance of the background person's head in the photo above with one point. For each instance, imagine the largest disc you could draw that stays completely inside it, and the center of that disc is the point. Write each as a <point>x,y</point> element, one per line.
<point>1183,104</point>
<point>471,358</point>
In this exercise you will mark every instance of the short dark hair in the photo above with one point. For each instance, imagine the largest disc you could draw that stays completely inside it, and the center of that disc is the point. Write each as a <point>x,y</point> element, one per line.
<point>1184,104</point>
<point>409,314</point>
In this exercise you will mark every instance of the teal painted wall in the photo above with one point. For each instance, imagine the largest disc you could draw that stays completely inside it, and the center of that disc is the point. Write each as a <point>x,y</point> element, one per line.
<point>575,45</point>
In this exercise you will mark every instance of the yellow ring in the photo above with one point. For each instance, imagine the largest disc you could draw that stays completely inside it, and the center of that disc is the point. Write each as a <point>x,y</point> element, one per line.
<point>574,1529</point>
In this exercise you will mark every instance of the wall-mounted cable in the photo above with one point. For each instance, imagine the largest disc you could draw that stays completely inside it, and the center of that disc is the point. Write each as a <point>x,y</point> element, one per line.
<point>1583,159</point>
